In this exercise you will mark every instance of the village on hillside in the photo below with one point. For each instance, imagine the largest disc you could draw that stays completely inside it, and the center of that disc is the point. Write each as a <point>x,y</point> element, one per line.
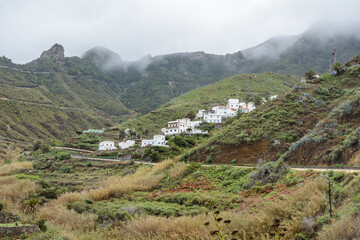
<point>216,115</point>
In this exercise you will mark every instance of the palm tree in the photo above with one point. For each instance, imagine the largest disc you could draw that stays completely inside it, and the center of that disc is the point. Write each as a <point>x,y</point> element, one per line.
<point>338,67</point>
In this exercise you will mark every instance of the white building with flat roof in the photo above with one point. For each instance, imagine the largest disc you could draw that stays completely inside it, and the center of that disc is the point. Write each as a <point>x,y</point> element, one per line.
<point>184,125</point>
<point>107,146</point>
<point>127,144</point>
<point>158,140</point>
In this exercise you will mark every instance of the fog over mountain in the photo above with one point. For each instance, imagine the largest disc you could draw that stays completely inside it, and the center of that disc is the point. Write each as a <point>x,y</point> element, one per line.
<point>138,28</point>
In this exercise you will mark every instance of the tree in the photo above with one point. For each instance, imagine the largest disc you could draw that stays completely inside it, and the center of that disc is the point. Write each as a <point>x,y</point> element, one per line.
<point>310,74</point>
<point>338,67</point>
<point>190,114</point>
<point>257,100</point>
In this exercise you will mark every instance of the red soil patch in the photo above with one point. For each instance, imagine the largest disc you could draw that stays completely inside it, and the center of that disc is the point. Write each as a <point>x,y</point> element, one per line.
<point>242,153</point>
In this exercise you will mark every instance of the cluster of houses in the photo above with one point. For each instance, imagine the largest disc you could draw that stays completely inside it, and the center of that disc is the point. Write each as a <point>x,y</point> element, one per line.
<point>219,113</point>
<point>216,116</point>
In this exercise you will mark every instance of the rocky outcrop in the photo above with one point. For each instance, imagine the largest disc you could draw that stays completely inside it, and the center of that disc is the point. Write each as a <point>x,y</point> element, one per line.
<point>17,230</point>
<point>8,217</point>
<point>55,53</point>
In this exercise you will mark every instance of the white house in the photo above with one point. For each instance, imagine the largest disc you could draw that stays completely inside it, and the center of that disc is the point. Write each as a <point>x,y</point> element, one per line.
<point>233,103</point>
<point>127,144</point>
<point>184,125</point>
<point>247,107</point>
<point>106,145</point>
<point>200,113</point>
<point>158,140</point>
<point>213,116</point>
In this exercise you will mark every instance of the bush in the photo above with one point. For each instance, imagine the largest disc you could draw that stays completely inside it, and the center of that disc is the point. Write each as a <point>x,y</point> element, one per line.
<point>233,161</point>
<point>66,169</point>
<point>208,159</point>
<point>155,156</point>
<point>37,144</point>
<point>41,225</point>
<point>310,74</point>
<point>62,156</point>
<point>193,167</point>
<point>179,141</point>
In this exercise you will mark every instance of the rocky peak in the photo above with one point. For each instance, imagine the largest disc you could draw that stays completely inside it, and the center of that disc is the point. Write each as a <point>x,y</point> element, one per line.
<point>55,53</point>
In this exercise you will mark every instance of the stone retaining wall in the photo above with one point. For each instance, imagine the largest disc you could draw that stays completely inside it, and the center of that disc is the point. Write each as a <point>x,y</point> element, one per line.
<point>8,217</point>
<point>17,231</point>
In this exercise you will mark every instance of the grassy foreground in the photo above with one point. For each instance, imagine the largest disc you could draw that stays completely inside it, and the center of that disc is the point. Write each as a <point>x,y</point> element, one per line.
<point>171,200</point>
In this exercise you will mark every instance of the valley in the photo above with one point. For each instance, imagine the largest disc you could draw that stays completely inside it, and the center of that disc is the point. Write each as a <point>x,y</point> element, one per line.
<point>76,162</point>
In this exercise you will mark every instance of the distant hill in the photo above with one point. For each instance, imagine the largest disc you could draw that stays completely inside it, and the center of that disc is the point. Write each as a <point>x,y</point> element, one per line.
<point>314,124</point>
<point>101,82</point>
<point>54,96</point>
<point>152,81</point>
<point>243,86</point>
<point>309,50</point>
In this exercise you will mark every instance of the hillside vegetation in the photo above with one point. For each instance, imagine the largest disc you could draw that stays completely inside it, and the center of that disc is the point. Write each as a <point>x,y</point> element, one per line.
<point>314,124</point>
<point>243,86</point>
<point>102,200</point>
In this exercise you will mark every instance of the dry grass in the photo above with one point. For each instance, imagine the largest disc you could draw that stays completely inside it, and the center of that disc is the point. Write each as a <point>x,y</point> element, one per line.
<point>341,229</point>
<point>69,197</point>
<point>177,170</point>
<point>10,168</point>
<point>13,191</point>
<point>144,179</point>
<point>68,219</point>
<point>11,152</point>
<point>306,202</point>
<point>151,227</point>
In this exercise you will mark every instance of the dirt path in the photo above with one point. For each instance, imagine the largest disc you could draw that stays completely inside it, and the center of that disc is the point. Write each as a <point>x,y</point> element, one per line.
<point>317,169</point>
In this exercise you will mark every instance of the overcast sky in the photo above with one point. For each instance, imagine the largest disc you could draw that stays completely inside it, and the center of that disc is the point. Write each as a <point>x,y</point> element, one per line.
<point>134,28</point>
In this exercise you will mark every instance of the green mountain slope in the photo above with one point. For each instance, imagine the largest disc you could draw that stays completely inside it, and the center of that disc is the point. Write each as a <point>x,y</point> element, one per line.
<point>27,122</point>
<point>152,81</point>
<point>315,124</point>
<point>242,86</point>
<point>76,89</point>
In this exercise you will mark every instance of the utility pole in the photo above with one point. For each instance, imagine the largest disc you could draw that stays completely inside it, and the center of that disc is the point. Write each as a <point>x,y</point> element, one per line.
<point>334,54</point>
<point>330,196</point>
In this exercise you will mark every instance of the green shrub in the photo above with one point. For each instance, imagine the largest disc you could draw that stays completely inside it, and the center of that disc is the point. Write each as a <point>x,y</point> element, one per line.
<point>66,169</point>
<point>233,161</point>
<point>179,141</point>
<point>41,225</point>
<point>37,144</point>
<point>193,167</point>
<point>78,207</point>
<point>62,156</point>
<point>208,159</point>
<point>338,176</point>
<point>155,156</point>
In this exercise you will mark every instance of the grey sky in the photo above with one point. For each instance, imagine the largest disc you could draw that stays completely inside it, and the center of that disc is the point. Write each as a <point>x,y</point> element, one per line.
<point>135,28</point>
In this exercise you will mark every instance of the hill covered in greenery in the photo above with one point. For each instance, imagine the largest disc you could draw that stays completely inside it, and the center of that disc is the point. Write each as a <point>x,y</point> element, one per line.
<point>314,124</point>
<point>52,98</point>
<point>243,86</point>
<point>152,81</point>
